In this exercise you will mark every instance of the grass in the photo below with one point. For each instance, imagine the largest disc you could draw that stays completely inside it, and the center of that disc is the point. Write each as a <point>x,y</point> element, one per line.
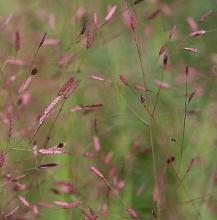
<point>140,180</point>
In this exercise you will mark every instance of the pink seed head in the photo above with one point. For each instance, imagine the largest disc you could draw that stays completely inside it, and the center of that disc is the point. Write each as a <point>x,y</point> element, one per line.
<point>97,172</point>
<point>132,22</point>
<point>89,39</point>
<point>197,33</point>
<point>42,40</point>
<point>205,16</point>
<point>132,212</point>
<point>110,13</point>
<point>2,158</point>
<point>123,79</point>
<point>191,49</point>
<point>172,32</point>
<point>17,41</point>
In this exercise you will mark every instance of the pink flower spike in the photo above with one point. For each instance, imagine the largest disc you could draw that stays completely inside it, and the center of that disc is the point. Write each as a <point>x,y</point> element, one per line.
<point>166,10</point>
<point>92,106</point>
<point>111,12</point>
<point>7,20</point>
<point>132,22</point>
<point>47,165</point>
<point>127,18</point>
<point>66,86</point>
<point>97,172</point>
<point>132,212</point>
<point>42,40</point>
<point>2,159</point>
<point>49,109</point>
<point>17,41</point>
<point>190,165</point>
<point>123,79</point>
<point>14,61</point>
<point>25,85</point>
<point>76,109</point>
<point>65,59</point>
<point>108,158</point>
<point>95,20</point>
<point>97,77</point>
<point>191,96</point>
<point>141,88</point>
<point>104,209</point>
<point>205,16</point>
<point>186,70</point>
<point>24,98</point>
<point>52,21</point>
<point>67,205</point>
<point>172,32</point>
<point>89,39</point>
<point>97,144</point>
<point>65,187</point>
<point>51,42</point>
<point>11,212</point>
<point>56,150</point>
<point>24,201</point>
<point>162,85</point>
<point>191,49</point>
<point>72,89</point>
<point>197,33</point>
<point>192,24</point>
<point>162,49</point>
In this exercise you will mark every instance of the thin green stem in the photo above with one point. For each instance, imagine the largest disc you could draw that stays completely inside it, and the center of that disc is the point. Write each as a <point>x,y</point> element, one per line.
<point>184,121</point>
<point>154,167</point>
<point>158,92</point>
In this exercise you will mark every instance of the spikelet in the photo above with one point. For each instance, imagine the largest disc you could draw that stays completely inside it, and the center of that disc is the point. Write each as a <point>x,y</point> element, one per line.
<point>49,109</point>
